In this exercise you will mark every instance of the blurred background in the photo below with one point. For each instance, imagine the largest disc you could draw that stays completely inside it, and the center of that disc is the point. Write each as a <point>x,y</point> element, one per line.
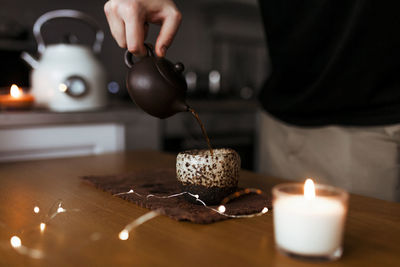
<point>221,44</point>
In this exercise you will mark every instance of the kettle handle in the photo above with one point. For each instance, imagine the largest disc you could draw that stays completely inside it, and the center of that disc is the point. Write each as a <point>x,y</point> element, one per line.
<point>67,13</point>
<point>128,55</point>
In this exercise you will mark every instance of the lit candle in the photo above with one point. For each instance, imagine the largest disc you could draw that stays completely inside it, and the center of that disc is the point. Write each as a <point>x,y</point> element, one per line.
<point>16,99</point>
<point>309,224</point>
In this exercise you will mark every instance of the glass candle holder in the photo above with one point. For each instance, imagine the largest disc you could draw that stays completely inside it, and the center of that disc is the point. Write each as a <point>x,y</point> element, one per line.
<point>309,227</point>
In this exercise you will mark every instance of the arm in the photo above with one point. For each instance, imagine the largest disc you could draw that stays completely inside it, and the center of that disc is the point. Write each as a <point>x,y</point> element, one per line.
<point>128,21</point>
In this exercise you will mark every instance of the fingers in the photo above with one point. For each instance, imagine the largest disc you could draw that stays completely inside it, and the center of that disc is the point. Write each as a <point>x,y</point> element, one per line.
<point>127,20</point>
<point>117,25</point>
<point>168,30</point>
<point>127,25</point>
<point>135,33</point>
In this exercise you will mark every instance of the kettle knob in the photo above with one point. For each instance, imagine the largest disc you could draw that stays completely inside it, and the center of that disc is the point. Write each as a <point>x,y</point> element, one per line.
<point>179,67</point>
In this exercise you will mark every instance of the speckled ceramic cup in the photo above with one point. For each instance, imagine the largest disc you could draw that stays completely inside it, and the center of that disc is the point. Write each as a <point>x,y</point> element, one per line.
<point>211,177</point>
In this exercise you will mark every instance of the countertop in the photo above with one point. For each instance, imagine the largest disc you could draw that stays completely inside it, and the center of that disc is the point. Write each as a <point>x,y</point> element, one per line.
<point>87,234</point>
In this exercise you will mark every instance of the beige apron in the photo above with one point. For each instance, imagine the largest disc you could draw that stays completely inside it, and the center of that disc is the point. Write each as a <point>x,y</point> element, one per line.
<point>362,160</point>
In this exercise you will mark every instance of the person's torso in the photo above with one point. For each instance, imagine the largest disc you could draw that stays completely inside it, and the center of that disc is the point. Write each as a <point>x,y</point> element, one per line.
<point>334,62</point>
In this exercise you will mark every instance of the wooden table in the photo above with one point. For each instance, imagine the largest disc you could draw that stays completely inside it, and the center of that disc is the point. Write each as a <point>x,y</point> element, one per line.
<point>89,237</point>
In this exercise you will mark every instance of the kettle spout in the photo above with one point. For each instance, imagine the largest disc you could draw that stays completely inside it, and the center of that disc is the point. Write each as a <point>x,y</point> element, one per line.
<point>30,60</point>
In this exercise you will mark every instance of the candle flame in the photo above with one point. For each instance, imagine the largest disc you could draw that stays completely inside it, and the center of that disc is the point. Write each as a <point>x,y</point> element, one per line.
<point>15,91</point>
<point>15,242</point>
<point>309,189</point>
<point>36,209</point>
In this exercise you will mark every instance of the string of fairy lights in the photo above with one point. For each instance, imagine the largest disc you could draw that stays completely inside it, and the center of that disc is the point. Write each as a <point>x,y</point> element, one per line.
<point>57,208</point>
<point>16,241</point>
<point>124,234</point>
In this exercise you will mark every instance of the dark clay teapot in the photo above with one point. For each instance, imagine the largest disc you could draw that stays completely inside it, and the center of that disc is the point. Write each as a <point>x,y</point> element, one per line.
<point>156,85</point>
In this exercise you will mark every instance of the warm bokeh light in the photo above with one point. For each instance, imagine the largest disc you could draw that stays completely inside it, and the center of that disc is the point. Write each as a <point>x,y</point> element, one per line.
<point>36,209</point>
<point>62,87</point>
<point>42,227</point>
<point>15,242</point>
<point>15,91</point>
<point>123,235</point>
<point>309,189</point>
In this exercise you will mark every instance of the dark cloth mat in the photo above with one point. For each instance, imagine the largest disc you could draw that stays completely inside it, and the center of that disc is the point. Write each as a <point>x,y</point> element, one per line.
<point>163,182</point>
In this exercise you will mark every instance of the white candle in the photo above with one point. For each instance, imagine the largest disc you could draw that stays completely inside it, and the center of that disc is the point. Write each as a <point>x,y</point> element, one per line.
<point>309,225</point>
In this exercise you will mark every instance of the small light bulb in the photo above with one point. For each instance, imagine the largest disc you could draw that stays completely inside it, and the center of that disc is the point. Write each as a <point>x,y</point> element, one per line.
<point>42,227</point>
<point>130,191</point>
<point>60,209</point>
<point>196,196</point>
<point>15,242</point>
<point>221,209</point>
<point>36,209</point>
<point>123,235</point>
<point>264,210</point>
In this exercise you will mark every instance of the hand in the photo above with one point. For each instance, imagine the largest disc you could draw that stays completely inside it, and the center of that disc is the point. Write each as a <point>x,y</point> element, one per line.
<point>128,20</point>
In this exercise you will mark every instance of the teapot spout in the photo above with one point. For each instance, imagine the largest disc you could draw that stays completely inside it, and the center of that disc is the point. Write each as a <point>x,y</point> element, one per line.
<point>181,106</point>
<point>30,60</point>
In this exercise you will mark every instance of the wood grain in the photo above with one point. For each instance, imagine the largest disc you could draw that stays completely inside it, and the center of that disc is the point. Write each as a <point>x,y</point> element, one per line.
<point>372,234</point>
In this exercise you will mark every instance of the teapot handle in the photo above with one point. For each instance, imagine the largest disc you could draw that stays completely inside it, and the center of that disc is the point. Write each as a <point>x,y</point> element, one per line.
<point>129,56</point>
<point>67,13</point>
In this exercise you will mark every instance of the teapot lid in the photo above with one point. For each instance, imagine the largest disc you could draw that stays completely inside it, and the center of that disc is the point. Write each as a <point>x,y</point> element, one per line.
<point>172,73</point>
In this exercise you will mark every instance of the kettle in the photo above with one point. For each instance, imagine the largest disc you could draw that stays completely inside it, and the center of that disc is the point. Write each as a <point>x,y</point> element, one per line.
<point>67,77</point>
<point>156,85</point>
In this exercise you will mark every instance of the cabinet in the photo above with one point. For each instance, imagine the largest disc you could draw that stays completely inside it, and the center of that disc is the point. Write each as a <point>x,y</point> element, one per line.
<point>40,134</point>
<point>60,141</point>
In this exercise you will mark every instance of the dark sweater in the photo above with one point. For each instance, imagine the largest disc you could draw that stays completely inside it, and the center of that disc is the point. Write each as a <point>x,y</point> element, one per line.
<point>334,61</point>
